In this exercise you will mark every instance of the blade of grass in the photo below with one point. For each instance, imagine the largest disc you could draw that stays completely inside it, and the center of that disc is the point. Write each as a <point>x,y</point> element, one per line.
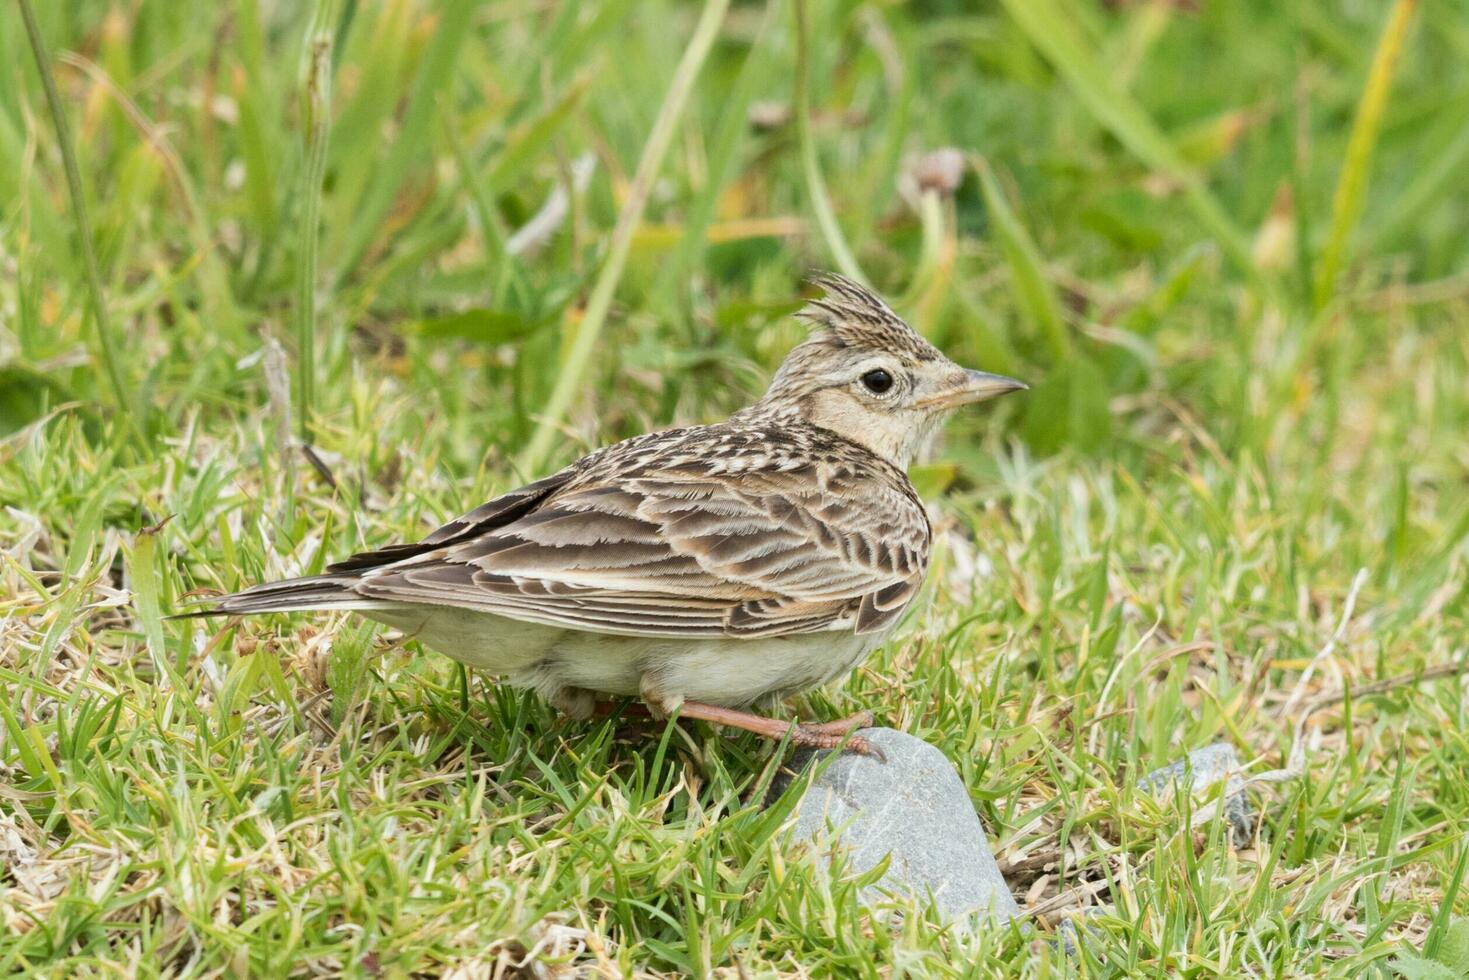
<point>433,77</point>
<point>570,379</point>
<point>145,579</point>
<point>826,219</point>
<point>527,141</point>
<point>1445,916</point>
<point>1051,30</point>
<point>213,281</point>
<point>110,369</point>
<point>1436,177</point>
<point>258,122</point>
<point>900,81</point>
<point>23,194</point>
<point>147,603</point>
<point>569,41</point>
<point>363,110</point>
<point>1347,204</point>
<point>1038,300</point>
<point>728,137</point>
<point>317,106</point>
<point>509,278</point>
<point>262,144</point>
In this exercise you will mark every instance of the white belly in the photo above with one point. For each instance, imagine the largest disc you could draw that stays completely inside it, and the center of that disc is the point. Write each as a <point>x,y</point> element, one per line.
<point>551,660</point>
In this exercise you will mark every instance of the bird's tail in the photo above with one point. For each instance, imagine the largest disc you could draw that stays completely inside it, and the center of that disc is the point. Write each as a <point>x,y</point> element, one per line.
<point>292,595</point>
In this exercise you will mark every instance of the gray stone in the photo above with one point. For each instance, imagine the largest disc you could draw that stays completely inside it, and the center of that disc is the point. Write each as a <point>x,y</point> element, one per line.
<point>913,806</point>
<point>1198,771</point>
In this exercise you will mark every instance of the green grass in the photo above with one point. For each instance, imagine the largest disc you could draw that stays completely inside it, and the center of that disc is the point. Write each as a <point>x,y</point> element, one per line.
<point>1225,246</point>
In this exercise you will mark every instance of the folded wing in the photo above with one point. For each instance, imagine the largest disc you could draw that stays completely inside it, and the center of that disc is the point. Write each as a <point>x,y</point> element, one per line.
<point>673,547</point>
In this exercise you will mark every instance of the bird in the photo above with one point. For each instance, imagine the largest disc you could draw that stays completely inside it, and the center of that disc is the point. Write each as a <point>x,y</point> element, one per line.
<point>705,570</point>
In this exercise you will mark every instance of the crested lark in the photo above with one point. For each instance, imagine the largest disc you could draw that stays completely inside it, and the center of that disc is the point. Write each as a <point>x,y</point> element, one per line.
<point>704,569</point>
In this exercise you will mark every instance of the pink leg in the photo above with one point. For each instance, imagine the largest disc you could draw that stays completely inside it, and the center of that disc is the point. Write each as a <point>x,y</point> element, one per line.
<point>831,735</point>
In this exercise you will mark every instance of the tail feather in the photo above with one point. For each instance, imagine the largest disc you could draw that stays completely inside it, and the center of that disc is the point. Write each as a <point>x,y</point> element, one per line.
<point>292,595</point>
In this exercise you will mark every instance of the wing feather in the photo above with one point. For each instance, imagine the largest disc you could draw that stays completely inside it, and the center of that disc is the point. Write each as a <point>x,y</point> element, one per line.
<point>679,540</point>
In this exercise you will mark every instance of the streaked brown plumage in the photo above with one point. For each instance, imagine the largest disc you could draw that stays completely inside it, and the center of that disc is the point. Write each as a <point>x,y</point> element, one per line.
<point>704,569</point>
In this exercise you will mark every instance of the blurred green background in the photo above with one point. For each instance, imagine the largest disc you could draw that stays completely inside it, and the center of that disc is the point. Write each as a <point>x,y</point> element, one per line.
<point>1143,199</point>
<point>453,245</point>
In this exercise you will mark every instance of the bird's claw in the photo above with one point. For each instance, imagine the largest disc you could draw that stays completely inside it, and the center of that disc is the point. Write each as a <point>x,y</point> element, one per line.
<point>813,737</point>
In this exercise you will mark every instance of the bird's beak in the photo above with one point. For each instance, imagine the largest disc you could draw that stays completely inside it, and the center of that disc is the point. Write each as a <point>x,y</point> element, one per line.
<point>971,387</point>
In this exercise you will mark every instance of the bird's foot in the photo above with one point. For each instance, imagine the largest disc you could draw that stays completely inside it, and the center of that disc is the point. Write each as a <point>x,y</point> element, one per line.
<point>862,719</point>
<point>807,736</point>
<point>826,735</point>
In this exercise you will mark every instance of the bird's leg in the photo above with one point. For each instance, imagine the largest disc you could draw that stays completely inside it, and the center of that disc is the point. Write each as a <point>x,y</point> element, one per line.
<point>839,726</point>
<point>828,736</point>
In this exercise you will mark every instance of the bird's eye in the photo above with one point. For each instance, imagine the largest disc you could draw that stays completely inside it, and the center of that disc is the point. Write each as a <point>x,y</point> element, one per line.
<point>877,381</point>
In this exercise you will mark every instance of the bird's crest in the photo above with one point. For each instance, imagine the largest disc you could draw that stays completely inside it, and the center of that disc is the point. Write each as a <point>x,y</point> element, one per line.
<point>851,315</point>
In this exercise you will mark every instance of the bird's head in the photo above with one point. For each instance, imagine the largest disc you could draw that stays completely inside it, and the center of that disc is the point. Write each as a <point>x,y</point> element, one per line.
<point>869,377</point>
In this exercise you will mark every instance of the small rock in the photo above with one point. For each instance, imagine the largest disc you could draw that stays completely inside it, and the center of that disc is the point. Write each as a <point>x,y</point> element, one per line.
<point>1201,769</point>
<point>915,807</point>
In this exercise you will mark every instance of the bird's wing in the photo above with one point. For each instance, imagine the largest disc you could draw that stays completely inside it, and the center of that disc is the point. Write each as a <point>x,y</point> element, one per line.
<point>502,510</point>
<point>685,548</point>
